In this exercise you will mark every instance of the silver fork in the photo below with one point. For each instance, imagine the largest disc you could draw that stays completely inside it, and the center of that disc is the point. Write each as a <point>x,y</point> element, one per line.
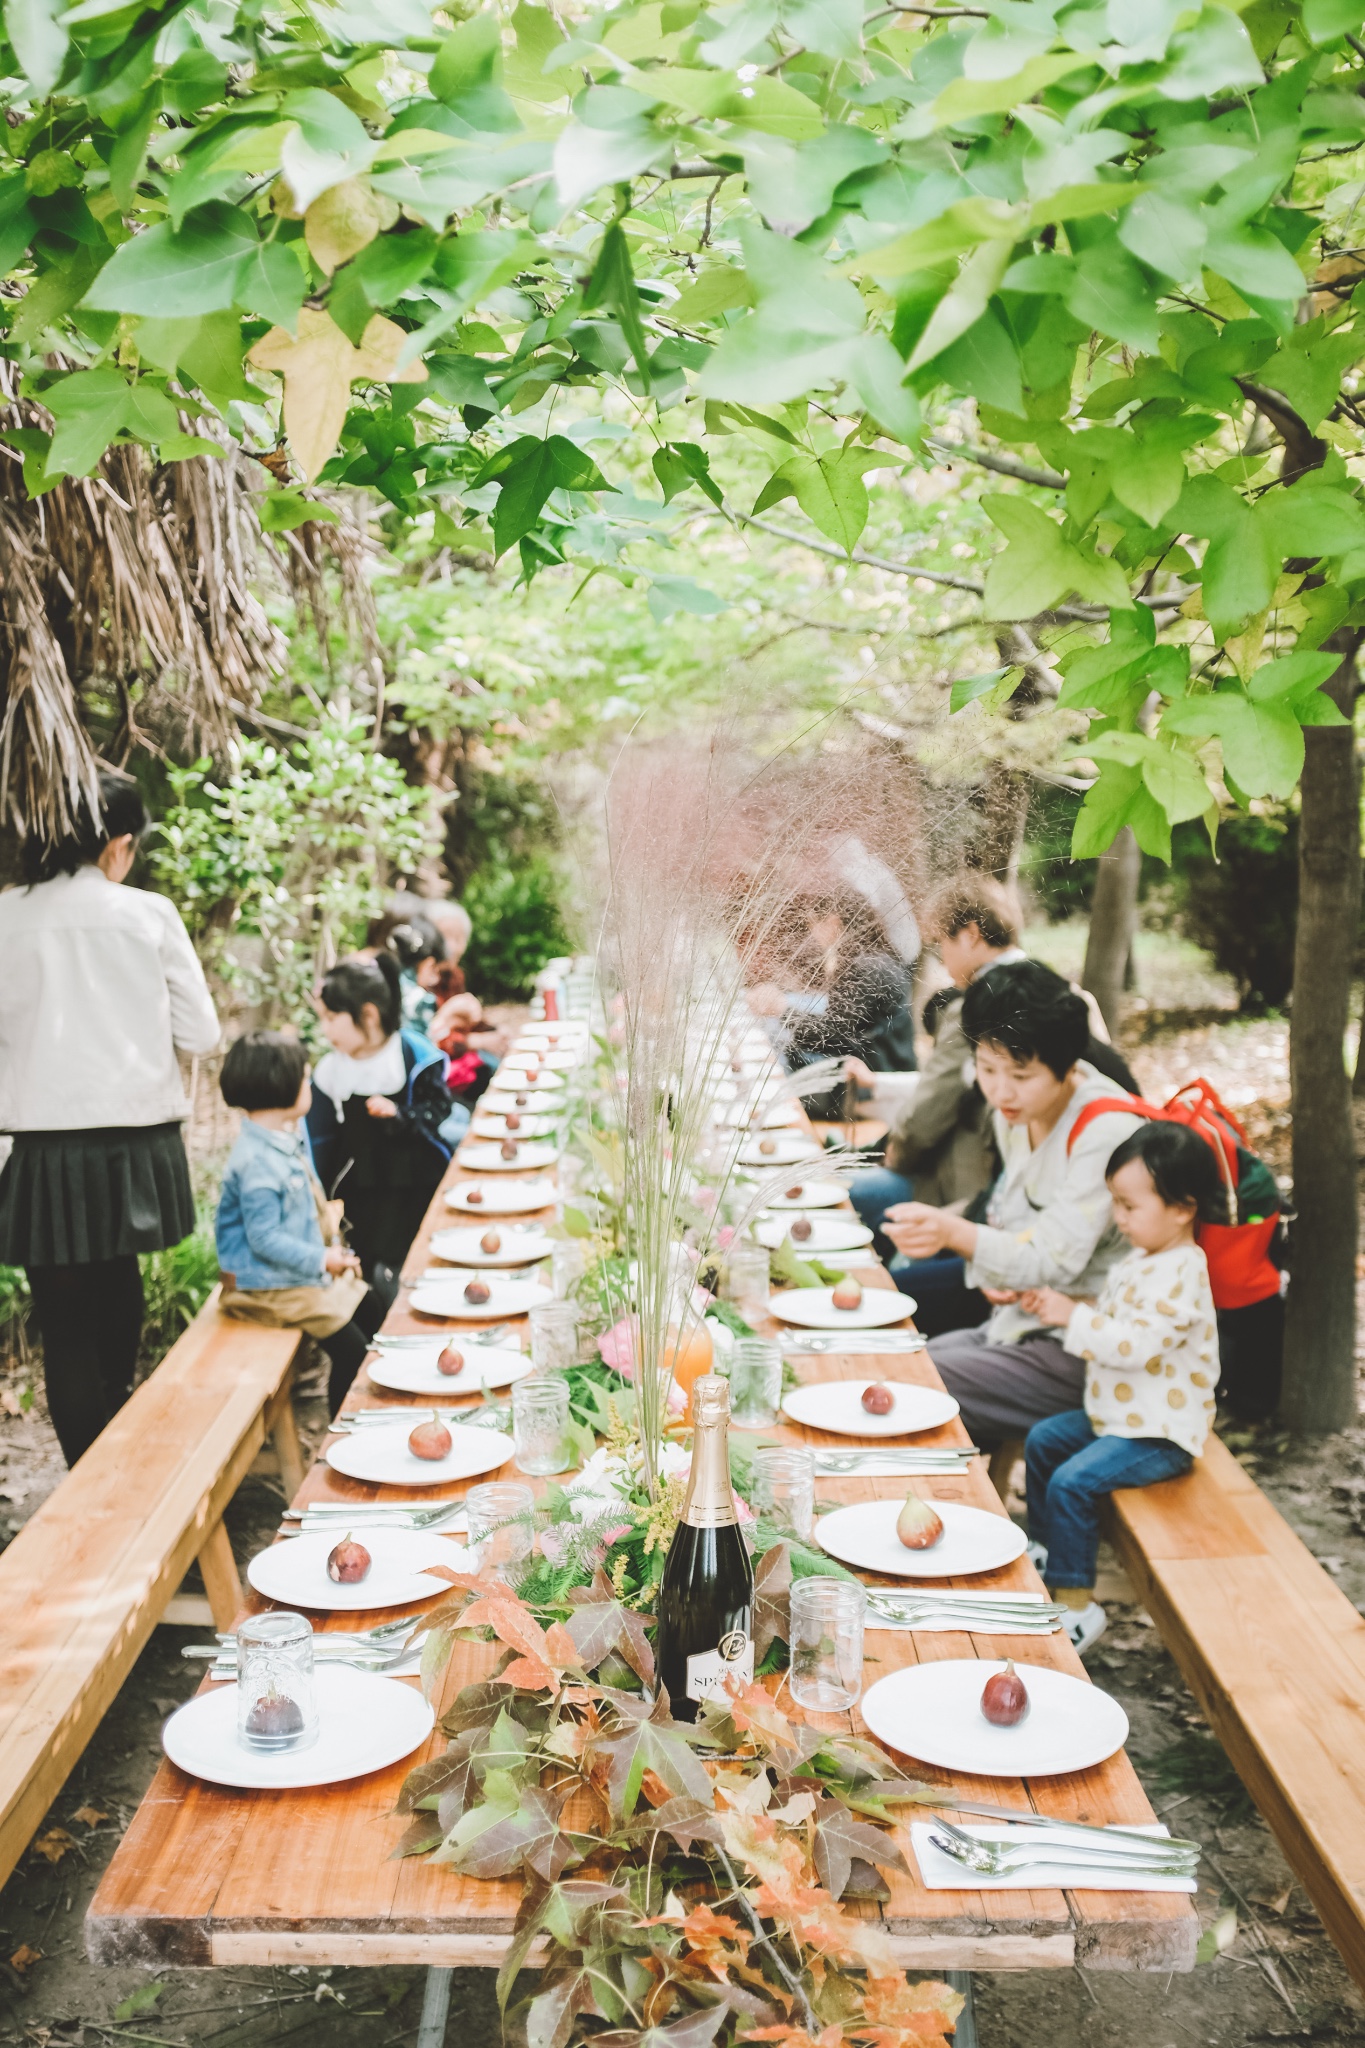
<point>831,1463</point>
<point>1154,1857</point>
<point>1026,1817</point>
<point>334,1515</point>
<point>1038,1619</point>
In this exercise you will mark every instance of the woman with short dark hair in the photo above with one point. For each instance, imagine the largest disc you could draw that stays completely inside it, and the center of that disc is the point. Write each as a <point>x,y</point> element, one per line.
<point>100,989</point>
<point>859,1003</point>
<point>1049,1221</point>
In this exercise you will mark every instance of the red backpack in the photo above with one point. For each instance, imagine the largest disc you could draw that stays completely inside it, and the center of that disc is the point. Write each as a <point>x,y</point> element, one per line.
<point>1241,1270</point>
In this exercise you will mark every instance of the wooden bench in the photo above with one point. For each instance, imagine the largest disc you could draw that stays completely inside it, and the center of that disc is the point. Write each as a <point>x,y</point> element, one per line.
<point>1274,1652</point>
<point>89,1576</point>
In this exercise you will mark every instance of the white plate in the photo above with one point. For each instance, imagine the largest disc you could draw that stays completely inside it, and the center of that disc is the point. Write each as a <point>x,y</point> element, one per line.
<point>295,1572</point>
<point>812,1308</point>
<point>815,1194</point>
<point>477,1157</point>
<point>509,1201</point>
<point>519,1247</point>
<point>412,1369</point>
<point>486,1125</point>
<point>508,1295</point>
<point>564,1031</point>
<point>786,1151</point>
<point>381,1456</point>
<point>973,1540</point>
<point>503,1099</point>
<point>827,1234</point>
<point>368,1723</point>
<point>837,1405</point>
<point>512,1079</point>
<point>549,1058</point>
<point>933,1712</point>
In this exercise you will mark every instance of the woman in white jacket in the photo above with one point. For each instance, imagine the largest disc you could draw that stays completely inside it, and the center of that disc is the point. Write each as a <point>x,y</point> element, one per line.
<point>99,986</point>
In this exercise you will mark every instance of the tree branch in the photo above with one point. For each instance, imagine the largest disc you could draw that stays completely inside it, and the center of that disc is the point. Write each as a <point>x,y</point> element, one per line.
<point>1302,449</point>
<point>1005,465</point>
<point>825,547</point>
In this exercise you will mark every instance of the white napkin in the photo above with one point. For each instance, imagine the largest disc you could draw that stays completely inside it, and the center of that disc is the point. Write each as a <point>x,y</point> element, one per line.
<point>941,1873</point>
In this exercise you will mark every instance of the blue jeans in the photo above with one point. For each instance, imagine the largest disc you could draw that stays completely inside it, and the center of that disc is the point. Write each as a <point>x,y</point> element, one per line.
<point>872,1194</point>
<point>1070,1470</point>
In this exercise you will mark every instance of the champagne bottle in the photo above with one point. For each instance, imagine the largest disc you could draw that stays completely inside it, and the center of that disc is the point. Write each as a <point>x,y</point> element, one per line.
<point>706,1599</point>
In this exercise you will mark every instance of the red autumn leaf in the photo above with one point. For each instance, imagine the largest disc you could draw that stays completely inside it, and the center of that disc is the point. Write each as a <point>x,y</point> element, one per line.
<point>511,1621</point>
<point>898,2011</point>
<point>529,1674</point>
<point>754,1711</point>
<point>717,1941</point>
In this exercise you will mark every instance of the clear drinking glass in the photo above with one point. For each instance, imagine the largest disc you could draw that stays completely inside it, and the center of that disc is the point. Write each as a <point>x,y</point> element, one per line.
<point>501,1525</point>
<point>276,1701</point>
<point>540,1424</point>
<point>826,1642</point>
<point>567,1265</point>
<point>746,1279</point>
<point>755,1382</point>
<point>554,1336</point>
<point>784,1489</point>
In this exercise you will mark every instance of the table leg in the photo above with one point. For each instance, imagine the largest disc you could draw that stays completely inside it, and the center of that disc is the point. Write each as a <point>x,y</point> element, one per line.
<point>431,2030</point>
<point>965,2035</point>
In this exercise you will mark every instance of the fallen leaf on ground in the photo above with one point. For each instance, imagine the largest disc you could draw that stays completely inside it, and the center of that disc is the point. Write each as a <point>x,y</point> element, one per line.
<point>91,1815</point>
<point>141,2000</point>
<point>54,1844</point>
<point>25,1957</point>
<point>9,1401</point>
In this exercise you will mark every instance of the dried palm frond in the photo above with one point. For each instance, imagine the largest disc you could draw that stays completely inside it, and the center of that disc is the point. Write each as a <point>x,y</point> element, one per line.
<point>135,575</point>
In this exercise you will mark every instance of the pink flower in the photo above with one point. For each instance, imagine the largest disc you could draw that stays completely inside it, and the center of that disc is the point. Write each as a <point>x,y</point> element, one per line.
<point>705,1199</point>
<point>725,1237</point>
<point>677,1399</point>
<point>617,1346</point>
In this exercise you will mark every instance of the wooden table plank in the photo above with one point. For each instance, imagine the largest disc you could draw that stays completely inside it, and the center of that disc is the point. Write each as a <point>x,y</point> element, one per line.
<point>305,1876</point>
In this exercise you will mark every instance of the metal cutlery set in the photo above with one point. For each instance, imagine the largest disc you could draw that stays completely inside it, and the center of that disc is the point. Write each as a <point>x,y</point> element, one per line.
<point>336,1517</point>
<point>992,1614</point>
<point>1064,1843</point>
<point>845,1345</point>
<point>871,1458</point>
<point>381,1648</point>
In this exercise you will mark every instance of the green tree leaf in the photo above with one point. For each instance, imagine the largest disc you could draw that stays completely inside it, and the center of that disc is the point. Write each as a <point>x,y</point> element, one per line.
<point>612,285</point>
<point>680,463</point>
<point>40,40</point>
<point>170,273</point>
<point>526,473</point>
<point>92,407</point>
<point>670,594</point>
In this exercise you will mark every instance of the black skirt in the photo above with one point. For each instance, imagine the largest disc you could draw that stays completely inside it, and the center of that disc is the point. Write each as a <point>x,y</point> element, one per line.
<point>74,1198</point>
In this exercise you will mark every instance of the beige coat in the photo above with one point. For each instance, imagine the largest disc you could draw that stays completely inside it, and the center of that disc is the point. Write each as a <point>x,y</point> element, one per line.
<point>944,1142</point>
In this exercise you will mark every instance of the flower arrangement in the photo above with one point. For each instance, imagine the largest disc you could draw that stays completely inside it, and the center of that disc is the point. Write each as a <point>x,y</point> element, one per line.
<point>710,1861</point>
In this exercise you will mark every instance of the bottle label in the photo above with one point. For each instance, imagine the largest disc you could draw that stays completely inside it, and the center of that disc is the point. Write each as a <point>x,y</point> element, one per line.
<point>707,1673</point>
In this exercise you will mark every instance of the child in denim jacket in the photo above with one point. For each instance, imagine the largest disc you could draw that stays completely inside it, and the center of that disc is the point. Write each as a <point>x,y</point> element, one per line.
<point>274,1232</point>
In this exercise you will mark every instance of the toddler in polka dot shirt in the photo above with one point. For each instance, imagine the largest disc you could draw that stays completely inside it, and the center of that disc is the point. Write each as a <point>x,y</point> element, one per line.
<point>1149,1346</point>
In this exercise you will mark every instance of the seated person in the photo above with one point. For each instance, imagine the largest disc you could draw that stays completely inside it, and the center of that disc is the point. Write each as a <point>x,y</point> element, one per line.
<point>280,1260</point>
<point>1149,1350</point>
<point>860,1000</point>
<point>941,1150</point>
<point>1049,1220</point>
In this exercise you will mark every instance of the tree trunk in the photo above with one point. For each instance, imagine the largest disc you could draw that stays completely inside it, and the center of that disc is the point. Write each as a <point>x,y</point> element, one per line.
<point>1358,1083</point>
<point>1319,1362</point>
<point>1113,914</point>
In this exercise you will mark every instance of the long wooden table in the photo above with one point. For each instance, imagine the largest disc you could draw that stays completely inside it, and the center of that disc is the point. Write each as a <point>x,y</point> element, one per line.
<point>207,1875</point>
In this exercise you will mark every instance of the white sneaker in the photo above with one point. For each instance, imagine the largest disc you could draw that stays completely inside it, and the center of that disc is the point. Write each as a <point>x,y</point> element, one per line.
<point>1085,1626</point>
<point>1036,1553</point>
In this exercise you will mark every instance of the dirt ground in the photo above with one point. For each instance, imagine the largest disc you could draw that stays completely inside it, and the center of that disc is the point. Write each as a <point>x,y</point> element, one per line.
<point>1278,1979</point>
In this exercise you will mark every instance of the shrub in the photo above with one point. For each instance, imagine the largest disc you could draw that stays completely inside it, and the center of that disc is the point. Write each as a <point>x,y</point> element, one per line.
<point>1241,906</point>
<point>176,1283</point>
<point>518,926</point>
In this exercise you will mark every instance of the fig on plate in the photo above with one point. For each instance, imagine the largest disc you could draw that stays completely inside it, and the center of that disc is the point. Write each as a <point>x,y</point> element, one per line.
<point>795,1194</point>
<point>450,1362</point>
<point>509,1148</point>
<point>848,1295</point>
<point>477,1291</point>
<point>474,1197</point>
<point>802,1229</point>
<point>878,1399</point>
<point>512,1121</point>
<point>348,1563</point>
<point>431,1440</point>
<point>767,1146</point>
<point>1004,1698</point>
<point>275,1715</point>
<point>919,1525</point>
<point>521,1100</point>
<point>490,1242</point>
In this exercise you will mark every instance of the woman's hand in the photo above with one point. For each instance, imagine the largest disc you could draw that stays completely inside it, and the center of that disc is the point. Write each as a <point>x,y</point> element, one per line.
<point>1001,1297</point>
<point>919,1231</point>
<point>1048,1304</point>
<point>337,1259</point>
<point>379,1105</point>
<point>859,1073</point>
<point>461,1012</point>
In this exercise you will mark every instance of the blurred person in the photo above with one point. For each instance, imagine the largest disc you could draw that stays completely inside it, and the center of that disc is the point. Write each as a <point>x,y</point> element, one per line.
<point>101,988</point>
<point>380,1117</point>
<point>859,1005</point>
